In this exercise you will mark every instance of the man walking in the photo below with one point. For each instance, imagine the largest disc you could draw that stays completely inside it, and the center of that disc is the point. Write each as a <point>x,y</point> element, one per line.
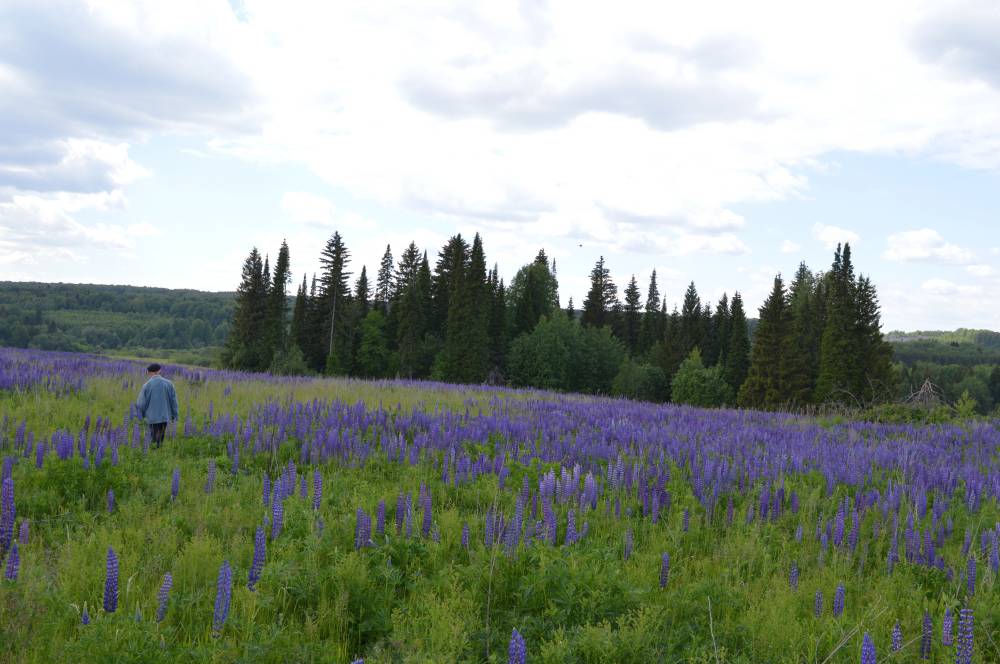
<point>157,403</point>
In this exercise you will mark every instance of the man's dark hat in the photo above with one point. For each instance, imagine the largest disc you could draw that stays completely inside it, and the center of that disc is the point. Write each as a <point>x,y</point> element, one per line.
<point>153,368</point>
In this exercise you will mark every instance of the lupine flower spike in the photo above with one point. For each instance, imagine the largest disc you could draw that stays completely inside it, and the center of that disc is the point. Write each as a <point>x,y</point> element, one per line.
<point>111,583</point>
<point>223,594</point>
<point>517,652</point>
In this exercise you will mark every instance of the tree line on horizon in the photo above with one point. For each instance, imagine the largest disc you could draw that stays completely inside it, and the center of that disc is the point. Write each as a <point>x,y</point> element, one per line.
<point>817,341</point>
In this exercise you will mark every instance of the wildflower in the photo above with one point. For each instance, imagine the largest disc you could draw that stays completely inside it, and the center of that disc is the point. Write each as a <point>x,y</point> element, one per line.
<point>23,535</point>
<point>963,651</point>
<point>793,577</point>
<point>13,564</point>
<point>946,628</point>
<point>867,650</point>
<point>818,604</point>
<point>277,518</point>
<point>259,552</point>
<point>111,583</point>
<point>838,601</point>
<point>664,569</point>
<point>517,652</point>
<point>85,618</point>
<point>163,596</point>
<point>267,489</point>
<point>8,514</point>
<point>465,536</point>
<point>223,593</point>
<point>175,484</point>
<point>111,501</point>
<point>971,577</point>
<point>317,489</point>
<point>897,637</point>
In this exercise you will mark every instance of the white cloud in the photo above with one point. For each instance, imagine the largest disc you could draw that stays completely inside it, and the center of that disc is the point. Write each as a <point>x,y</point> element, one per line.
<point>305,208</point>
<point>925,244</point>
<point>142,229</point>
<point>981,270</point>
<point>939,286</point>
<point>831,236</point>
<point>789,247</point>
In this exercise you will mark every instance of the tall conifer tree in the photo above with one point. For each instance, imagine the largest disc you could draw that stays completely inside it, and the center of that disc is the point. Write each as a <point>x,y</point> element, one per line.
<point>738,355</point>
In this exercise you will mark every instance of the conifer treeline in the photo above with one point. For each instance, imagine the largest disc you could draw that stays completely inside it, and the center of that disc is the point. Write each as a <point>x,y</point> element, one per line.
<point>817,341</point>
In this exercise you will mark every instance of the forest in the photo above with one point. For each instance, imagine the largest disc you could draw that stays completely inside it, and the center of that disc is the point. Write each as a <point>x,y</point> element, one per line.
<point>818,338</point>
<point>184,325</point>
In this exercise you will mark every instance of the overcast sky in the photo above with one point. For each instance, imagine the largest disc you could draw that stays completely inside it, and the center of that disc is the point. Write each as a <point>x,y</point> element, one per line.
<point>153,143</point>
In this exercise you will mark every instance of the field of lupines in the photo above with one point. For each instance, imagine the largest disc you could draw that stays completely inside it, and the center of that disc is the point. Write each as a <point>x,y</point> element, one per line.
<point>306,520</point>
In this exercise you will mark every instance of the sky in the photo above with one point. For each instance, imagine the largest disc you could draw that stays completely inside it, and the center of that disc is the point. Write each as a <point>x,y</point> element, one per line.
<point>154,143</point>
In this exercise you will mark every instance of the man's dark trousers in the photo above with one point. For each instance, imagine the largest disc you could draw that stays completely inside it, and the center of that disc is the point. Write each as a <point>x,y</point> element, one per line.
<point>156,433</point>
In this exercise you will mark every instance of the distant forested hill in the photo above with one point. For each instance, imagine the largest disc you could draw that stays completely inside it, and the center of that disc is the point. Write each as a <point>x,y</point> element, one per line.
<point>155,322</point>
<point>963,346</point>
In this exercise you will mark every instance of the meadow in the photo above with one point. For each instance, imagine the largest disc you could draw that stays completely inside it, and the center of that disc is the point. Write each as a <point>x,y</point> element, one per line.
<point>323,520</point>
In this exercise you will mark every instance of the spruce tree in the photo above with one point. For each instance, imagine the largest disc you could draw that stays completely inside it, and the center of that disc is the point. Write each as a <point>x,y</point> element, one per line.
<point>531,295</point>
<point>243,348</point>
<point>335,296</point>
<point>767,385</point>
<point>691,330</point>
<point>651,329</point>
<point>738,354</point>
<point>632,316</point>
<point>276,315</point>
<point>839,349</point>
<point>466,353</point>
<point>721,331</point>
<point>498,326</point>
<point>384,281</point>
<point>298,326</point>
<point>598,306</point>
<point>804,336</point>
<point>452,262</point>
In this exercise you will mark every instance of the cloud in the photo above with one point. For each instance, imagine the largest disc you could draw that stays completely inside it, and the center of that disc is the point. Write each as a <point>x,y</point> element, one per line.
<point>938,286</point>
<point>925,244</point>
<point>789,247</point>
<point>831,236</point>
<point>963,38</point>
<point>305,208</point>
<point>981,270</point>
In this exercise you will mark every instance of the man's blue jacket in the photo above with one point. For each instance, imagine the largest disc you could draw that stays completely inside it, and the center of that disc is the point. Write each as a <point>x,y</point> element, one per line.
<point>158,401</point>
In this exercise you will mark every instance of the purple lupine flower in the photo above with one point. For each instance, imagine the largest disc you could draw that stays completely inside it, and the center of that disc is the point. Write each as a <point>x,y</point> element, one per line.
<point>818,604</point>
<point>971,577</point>
<point>277,517</point>
<point>8,514</point>
<point>571,534</point>
<point>223,593</point>
<point>926,636</point>
<point>897,637</point>
<point>867,650</point>
<point>465,536</point>
<point>163,596</point>
<point>13,563</point>
<point>798,533</point>
<point>317,489</point>
<point>793,576</point>
<point>303,487</point>
<point>39,454</point>
<point>838,601</point>
<point>175,484</point>
<point>259,552</point>
<point>22,536</point>
<point>400,511</point>
<point>380,519</point>
<point>267,489</point>
<point>425,527</point>
<point>85,618</point>
<point>963,650</point>
<point>517,651</point>
<point>111,583</point>
<point>210,482</point>
<point>408,514</point>
<point>664,569</point>
<point>946,639</point>
<point>111,501</point>
<point>628,543</point>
